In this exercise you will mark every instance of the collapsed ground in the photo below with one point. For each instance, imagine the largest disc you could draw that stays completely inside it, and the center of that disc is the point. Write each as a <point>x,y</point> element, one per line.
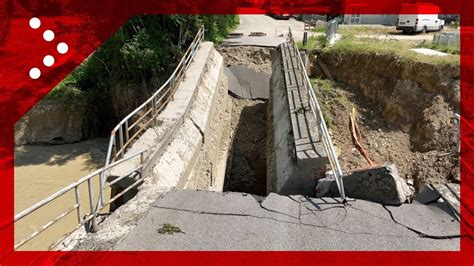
<point>247,162</point>
<point>404,112</point>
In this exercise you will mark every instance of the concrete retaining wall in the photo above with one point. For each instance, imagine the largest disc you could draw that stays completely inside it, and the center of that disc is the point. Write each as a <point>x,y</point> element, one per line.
<point>281,162</point>
<point>297,159</point>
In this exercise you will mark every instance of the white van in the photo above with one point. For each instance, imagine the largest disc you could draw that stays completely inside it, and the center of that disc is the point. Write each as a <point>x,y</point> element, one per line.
<point>419,18</point>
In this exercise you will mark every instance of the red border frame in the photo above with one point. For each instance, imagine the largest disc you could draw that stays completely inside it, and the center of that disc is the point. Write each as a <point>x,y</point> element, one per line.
<point>94,22</point>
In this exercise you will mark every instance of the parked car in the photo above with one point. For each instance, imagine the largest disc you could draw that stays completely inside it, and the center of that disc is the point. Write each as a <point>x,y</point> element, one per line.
<point>419,18</point>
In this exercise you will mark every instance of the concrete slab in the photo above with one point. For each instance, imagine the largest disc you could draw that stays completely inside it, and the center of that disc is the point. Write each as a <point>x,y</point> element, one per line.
<point>380,184</point>
<point>235,221</point>
<point>427,51</point>
<point>451,193</point>
<point>426,194</point>
<point>432,219</point>
<point>248,83</point>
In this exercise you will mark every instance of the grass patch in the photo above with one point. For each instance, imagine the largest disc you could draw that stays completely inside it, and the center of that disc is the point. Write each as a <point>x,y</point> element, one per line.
<point>354,44</point>
<point>442,48</point>
<point>364,29</point>
<point>314,42</point>
<point>323,88</point>
<point>169,229</point>
<point>319,29</point>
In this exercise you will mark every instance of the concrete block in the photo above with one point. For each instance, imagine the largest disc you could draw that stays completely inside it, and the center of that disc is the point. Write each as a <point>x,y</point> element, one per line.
<point>380,184</point>
<point>426,195</point>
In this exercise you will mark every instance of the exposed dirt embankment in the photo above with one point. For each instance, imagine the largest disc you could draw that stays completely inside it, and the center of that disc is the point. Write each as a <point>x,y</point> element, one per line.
<point>247,162</point>
<point>418,98</point>
<point>405,112</point>
<point>255,58</point>
<point>52,122</point>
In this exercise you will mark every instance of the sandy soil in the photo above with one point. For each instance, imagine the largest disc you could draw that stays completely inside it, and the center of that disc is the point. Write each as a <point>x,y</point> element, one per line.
<point>383,142</point>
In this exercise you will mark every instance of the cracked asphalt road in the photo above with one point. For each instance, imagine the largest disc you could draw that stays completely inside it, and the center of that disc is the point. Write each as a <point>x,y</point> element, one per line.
<point>236,221</point>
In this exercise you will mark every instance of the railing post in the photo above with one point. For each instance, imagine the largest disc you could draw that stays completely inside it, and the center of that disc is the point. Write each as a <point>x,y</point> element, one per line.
<point>127,136</point>
<point>121,140</point>
<point>102,179</point>
<point>78,202</point>
<point>172,84</point>
<point>93,226</point>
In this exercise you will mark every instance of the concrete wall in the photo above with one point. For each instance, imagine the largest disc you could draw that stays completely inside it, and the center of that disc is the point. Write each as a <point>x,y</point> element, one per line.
<point>381,19</point>
<point>52,122</point>
<point>295,159</point>
<point>281,151</point>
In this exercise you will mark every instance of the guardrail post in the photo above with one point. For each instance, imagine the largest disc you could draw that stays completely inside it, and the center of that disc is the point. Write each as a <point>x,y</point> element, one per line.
<point>127,136</point>
<point>172,84</point>
<point>102,179</point>
<point>121,140</point>
<point>93,226</point>
<point>78,202</point>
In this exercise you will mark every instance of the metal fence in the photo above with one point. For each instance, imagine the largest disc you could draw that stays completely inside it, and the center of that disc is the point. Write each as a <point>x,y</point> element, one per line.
<point>134,124</point>
<point>322,128</point>
<point>331,29</point>
<point>122,136</point>
<point>447,39</point>
<point>83,216</point>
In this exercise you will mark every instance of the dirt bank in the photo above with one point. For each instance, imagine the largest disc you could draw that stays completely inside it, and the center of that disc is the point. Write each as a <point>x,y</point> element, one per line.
<point>405,113</point>
<point>247,162</point>
<point>255,58</point>
<point>418,98</point>
<point>247,167</point>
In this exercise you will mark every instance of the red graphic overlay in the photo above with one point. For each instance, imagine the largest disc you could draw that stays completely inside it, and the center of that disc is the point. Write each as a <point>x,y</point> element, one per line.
<point>85,25</point>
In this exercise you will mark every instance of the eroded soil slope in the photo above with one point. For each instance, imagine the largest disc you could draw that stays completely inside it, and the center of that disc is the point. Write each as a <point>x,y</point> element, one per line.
<point>405,113</point>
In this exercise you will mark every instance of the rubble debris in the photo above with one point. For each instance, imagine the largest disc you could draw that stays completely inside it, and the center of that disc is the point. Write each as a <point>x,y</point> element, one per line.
<point>380,184</point>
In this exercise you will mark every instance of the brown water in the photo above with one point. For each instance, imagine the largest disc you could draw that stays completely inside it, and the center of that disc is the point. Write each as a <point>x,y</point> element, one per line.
<point>43,170</point>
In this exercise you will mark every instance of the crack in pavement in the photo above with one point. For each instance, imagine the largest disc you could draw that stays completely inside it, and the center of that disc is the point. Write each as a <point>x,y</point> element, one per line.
<point>419,233</point>
<point>277,220</point>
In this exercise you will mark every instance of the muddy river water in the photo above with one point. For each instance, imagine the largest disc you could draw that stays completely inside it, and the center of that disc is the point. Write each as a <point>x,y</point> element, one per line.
<point>43,170</point>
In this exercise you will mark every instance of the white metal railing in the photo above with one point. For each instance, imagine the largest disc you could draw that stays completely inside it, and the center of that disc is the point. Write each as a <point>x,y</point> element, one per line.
<point>121,138</point>
<point>322,128</point>
<point>82,218</point>
<point>138,120</point>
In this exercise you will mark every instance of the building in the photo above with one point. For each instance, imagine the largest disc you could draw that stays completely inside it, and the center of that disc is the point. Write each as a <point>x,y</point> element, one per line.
<point>388,14</point>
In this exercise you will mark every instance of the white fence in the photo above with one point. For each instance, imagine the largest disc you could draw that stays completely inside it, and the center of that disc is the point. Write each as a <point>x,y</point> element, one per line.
<point>447,39</point>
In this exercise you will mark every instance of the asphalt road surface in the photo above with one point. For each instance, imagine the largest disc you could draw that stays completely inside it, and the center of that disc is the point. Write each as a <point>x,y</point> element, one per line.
<point>235,221</point>
<point>275,30</point>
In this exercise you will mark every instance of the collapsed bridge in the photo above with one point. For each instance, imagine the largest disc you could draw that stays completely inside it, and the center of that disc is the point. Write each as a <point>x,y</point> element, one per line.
<point>184,137</point>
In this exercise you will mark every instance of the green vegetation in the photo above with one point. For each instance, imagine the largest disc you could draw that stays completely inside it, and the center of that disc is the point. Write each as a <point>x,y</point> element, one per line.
<point>323,88</point>
<point>314,42</point>
<point>365,29</point>
<point>136,60</point>
<point>319,29</point>
<point>442,48</point>
<point>352,43</point>
<point>169,229</point>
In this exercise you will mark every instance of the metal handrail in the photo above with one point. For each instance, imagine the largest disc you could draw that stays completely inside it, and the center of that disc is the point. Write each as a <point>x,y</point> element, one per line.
<point>323,131</point>
<point>121,137</point>
<point>82,219</point>
<point>125,132</point>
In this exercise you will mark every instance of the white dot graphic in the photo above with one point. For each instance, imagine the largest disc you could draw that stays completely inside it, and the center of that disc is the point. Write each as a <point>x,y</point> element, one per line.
<point>48,35</point>
<point>62,48</point>
<point>35,23</point>
<point>48,60</point>
<point>35,73</point>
